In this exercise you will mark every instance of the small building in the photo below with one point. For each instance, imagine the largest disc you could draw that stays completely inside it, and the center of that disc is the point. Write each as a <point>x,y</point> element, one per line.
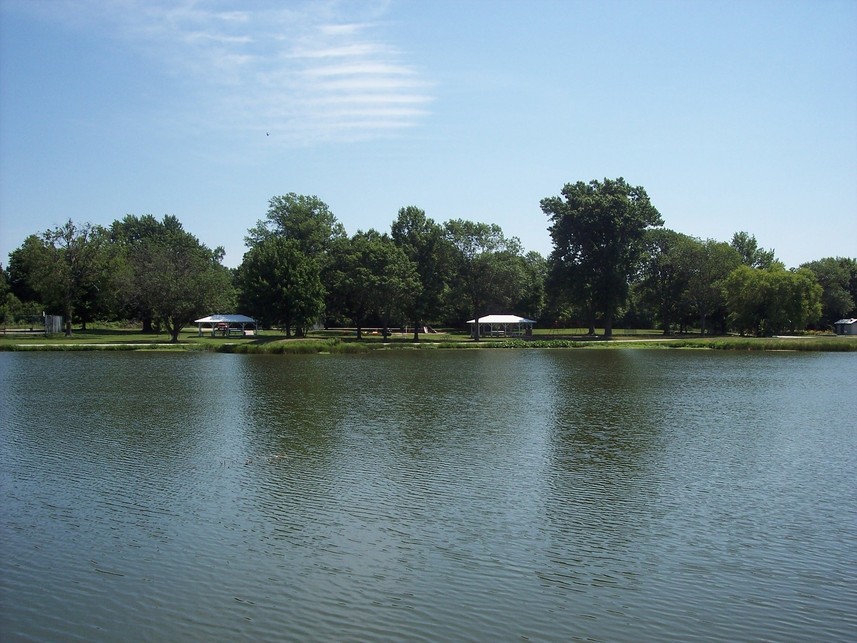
<point>228,325</point>
<point>845,327</point>
<point>502,326</point>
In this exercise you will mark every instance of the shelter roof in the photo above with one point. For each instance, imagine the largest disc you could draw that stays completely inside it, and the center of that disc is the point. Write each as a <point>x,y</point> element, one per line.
<point>502,319</point>
<point>228,319</point>
<point>847,321</point>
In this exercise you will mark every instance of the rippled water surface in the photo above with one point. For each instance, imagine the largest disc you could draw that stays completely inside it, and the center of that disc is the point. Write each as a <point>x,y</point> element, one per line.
<point>461,495</point>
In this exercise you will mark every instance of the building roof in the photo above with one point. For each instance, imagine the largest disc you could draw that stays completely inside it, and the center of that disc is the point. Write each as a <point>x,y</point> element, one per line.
<point>227,319</point>
<point>502,319</point>
<point>846,321</point>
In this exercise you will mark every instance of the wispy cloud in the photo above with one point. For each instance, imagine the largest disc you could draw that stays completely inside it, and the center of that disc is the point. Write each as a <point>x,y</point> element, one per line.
<point>316,71</point>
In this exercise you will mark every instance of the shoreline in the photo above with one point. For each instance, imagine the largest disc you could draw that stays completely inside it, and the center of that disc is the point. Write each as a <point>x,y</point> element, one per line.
<point>325,345</point>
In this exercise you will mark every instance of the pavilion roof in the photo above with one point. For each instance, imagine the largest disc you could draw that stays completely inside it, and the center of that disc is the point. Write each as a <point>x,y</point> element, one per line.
<point>228,319</point>
<point>502,319</point>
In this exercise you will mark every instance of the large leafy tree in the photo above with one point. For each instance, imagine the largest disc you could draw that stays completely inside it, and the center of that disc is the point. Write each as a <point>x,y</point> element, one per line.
<point>12,309</point>
<point>280,284</point>
<point>306,219</point>
<point>423,242</point>
<point>371,276</point>
<point>131,240</point>
<point>665,270</point>
<point>711,262</point>
<point>751,254</point>
<point>348,283</point>
<point>309,223</point>
<point>396,280</point>
<point>838,279</point>
<point>176,277</point>
<point>488,267</point>
<point>533,299</point>
<point>24,263</point>
<point>5,289</point>
<point>772,300</point>
<point>9,304</point>
<point>65,269</point>
<point>597,230</point>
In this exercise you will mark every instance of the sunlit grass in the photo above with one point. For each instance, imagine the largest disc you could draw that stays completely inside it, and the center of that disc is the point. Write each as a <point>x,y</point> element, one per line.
<point>345,341</point>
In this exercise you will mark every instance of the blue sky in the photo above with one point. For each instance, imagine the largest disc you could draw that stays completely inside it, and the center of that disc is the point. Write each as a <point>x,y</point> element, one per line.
<point>733,115</point>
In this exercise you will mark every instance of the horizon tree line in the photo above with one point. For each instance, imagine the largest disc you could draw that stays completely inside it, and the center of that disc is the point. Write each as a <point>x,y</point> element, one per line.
<point>612,263</point>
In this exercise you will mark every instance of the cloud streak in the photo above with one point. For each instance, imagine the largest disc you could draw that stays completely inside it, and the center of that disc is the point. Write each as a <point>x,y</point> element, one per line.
<point>315,72</point>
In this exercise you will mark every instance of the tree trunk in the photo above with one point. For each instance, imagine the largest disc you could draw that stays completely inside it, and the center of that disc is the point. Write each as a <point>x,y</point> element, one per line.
<point>173,329</point>
<point>608,325</point>
<point>417,331</point>
<point>147,325</point>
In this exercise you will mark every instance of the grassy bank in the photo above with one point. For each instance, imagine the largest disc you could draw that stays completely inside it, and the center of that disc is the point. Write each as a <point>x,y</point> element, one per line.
<point>345,341</point>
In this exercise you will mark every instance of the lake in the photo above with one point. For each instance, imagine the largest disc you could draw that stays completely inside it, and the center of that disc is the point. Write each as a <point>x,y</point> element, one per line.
<point>463,495</point>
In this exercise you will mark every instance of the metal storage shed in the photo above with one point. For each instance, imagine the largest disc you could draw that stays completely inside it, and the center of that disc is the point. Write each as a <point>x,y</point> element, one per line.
<point>846,326</point>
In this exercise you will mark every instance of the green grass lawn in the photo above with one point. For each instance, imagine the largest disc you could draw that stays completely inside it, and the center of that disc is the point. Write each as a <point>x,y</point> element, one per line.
<point>345,340</point>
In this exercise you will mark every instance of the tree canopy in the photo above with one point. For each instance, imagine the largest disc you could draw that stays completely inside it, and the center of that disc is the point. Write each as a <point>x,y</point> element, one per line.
<point>838,279</point>
<point>597,230</point>
<point>423,242</point>
<point>611,260</point>
<point>281,285</point>
<point>64,268</point>
<point>306,219</point>
<point>488,268</point>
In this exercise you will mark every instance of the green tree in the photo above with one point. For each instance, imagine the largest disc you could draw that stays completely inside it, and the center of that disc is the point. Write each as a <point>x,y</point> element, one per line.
<point>773,300</point>
<point>178,278</point>
<point>751,254</point>
<point>308,221</point>
<point>23,263</point>
<point>533,298</point>
<point>348,283</point>
<point>280,284</point>
<point>838,279</point>
<point>8,302</point>
<point>488,268</point>
<point>131,238</point>
<point>397,282</point>
<point>65,268</point>
<point>371,275</point>
<point>305,219</point>
<point>5,288</point>
<point>597,230</point>
<point>423,243</point>
<point>710,263</point>
<point>665,273</point>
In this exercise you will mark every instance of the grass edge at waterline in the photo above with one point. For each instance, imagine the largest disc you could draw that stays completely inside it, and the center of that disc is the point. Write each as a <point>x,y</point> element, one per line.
<point>269,343</point>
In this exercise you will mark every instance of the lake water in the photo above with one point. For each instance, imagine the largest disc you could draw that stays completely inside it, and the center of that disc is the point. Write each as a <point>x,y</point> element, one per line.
<point>617,495</point>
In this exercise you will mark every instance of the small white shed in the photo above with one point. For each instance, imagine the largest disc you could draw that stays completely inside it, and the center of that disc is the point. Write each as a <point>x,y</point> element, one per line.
<point>845,327</point>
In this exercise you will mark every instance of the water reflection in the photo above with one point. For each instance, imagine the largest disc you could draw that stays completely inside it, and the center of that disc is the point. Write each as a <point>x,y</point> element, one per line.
<point>453,495</point>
